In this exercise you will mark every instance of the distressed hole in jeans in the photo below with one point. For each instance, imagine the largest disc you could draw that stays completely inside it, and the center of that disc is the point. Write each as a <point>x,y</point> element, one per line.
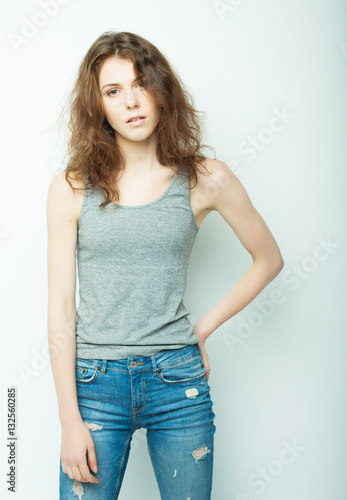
<point>78,489</point>
<point>192,393</point>
<point>93,427</point>
<point>200,453</point>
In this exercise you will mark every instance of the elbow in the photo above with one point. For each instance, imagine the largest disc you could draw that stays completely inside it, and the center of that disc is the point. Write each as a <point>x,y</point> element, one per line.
<point>277,266</point>
<point>271,267</point>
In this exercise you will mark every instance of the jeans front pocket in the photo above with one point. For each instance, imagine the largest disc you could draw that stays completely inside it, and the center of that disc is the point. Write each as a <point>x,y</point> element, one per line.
<point>183,371</point>
<point>86,372</point>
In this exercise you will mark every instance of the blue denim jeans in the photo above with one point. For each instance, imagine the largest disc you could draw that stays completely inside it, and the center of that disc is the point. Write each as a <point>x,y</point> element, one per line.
<point>168,395</point>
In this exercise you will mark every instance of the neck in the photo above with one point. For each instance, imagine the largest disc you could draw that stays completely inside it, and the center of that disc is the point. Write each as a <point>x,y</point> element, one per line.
<point>139,156</point>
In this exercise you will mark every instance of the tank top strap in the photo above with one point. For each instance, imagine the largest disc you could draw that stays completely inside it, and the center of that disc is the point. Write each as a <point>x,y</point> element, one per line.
<point>88,195</point>
<point>183,183</point>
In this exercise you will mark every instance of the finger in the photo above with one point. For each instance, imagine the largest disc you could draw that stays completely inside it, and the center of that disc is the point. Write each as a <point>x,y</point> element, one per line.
<point>86,474</point>
<point>68,471</point>
<point>76,473</point>
<point>92,459</point>
<point>63,466</point>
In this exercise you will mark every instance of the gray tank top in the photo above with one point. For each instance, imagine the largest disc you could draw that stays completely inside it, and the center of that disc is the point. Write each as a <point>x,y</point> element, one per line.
<point>132,272</point>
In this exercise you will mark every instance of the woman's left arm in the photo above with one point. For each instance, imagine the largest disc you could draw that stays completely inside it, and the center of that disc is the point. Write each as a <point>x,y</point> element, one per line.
<point>232,202</point>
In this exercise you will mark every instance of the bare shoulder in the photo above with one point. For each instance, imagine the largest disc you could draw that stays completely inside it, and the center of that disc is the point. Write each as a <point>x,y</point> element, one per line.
<point>61,185</point>
<point>63,198</point>
<point>215,181</point>
<point>213,169</point>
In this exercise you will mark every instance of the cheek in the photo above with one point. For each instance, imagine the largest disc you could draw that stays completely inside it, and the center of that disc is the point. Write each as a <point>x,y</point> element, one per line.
<point>111,109</point>
<point>155,111</point>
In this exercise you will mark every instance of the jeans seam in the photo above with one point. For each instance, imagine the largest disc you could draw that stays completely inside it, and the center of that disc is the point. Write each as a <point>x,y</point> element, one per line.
<point>144,399</point>
<point>150,456</point>
<point>121,467</point>
<point>88,362</point>
<point>179,362</point>
<point>183,381</point>
<point>91,380</point>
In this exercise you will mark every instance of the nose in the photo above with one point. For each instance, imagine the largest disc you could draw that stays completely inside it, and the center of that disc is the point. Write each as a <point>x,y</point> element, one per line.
<point>130,99</point>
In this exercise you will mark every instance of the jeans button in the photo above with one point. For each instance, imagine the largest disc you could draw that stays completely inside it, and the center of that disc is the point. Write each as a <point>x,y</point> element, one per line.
<point>133,364</point>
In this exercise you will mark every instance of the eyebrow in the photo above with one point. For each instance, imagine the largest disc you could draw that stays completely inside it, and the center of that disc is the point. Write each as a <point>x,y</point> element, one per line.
<point>117,84</point>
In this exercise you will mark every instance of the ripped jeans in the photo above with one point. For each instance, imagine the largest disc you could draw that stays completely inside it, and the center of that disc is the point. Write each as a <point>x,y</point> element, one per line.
<point>168,395</point>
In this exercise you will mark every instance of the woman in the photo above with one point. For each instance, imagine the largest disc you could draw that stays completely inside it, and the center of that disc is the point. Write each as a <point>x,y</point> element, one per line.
<point>131,202</point>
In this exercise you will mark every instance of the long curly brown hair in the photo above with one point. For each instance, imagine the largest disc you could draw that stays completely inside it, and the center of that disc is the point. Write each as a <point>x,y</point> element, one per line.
<point>93,152</point>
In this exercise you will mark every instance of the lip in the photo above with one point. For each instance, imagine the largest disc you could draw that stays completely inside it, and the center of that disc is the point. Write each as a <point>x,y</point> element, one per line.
<point>138,122</point>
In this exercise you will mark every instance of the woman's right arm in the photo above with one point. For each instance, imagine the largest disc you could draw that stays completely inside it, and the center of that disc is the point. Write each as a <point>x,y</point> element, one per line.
<point>63,207</point>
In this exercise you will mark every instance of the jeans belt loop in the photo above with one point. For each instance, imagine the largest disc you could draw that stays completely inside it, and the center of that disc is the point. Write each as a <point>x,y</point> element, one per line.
<point>154,362</point>
<point>104,366</point>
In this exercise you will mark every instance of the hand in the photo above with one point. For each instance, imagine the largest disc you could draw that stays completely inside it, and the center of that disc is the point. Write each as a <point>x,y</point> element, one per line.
<point>205,361</point>
<point>76,443</point>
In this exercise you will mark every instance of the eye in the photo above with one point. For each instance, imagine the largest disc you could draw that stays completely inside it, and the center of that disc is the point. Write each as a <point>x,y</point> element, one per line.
<point>113,90</point>
<point>116,90</point>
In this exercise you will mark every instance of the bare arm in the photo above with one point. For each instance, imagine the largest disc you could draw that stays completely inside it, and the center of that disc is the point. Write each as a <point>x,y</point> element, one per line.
<point>61,262</point>
<point>234,205</point>
<point>62,219</point>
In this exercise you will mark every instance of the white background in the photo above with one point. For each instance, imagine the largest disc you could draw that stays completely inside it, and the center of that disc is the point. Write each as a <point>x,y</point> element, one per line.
<point>280,380</point>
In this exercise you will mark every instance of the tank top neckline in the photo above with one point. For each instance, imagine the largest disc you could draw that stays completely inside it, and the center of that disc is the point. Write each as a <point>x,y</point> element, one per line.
<point>172,183</point>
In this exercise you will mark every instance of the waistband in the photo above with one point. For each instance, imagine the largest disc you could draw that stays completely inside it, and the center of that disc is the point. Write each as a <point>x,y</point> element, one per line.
<point>141,363</point>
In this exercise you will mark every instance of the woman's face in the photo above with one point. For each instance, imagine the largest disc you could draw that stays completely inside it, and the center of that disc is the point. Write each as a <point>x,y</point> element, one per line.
<point>124,98</point>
